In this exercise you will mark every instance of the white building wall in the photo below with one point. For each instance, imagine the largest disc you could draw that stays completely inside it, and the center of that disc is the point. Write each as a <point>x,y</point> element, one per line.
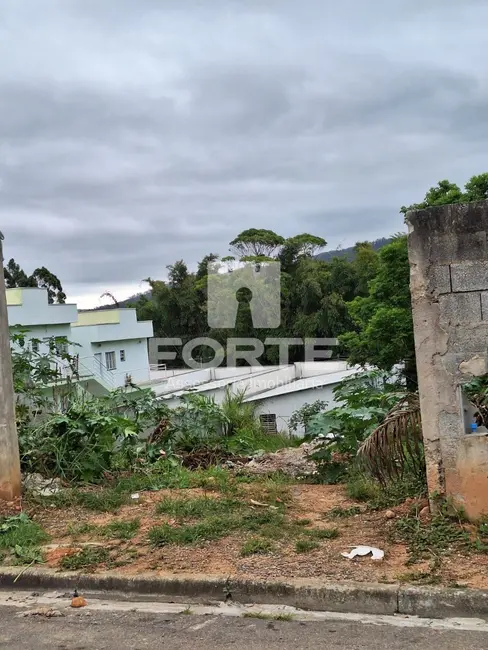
<point>29,309</point>
<point>136,362</point>
<point>35,310</point>
<point>283,406</point>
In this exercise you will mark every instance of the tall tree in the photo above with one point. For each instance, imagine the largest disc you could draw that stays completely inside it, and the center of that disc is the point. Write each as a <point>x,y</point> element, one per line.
<point>41,277</point>
<point>47,280</point>
<point>256,243</point>
<point>383,319</point>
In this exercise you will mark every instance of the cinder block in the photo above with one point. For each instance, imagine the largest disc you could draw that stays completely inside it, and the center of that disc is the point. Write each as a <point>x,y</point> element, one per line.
<point>469,276</point>
<point>456,308</point>
<point>440,280</point>
<point>468,339</point>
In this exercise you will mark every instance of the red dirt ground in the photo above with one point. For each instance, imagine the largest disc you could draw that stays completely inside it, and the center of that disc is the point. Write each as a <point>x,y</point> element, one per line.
<point>223,558</point>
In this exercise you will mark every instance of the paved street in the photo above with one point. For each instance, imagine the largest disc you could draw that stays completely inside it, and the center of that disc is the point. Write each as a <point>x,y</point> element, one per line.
<point>99,630</point>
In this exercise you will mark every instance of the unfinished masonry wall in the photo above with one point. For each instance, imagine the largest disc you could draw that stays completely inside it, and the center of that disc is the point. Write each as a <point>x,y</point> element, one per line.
<point>448,251</point>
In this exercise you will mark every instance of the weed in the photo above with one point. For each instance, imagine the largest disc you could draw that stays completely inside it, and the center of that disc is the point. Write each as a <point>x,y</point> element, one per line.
<point>27,555</point>
<point>362,489</point>
<point>322,533</point>
<point>78,530</point>
<point>123,530</point>
<point>426,541</point>
<point>397,492</point>
<point>264,616</point>
<point>303,522</point>
<point>196,508</point>
<point>87,558</point>
<point>214,527</point>
<point>20,531</point>
<point>420,577</point>
<point>273,490</point>
<point>273,531</point>
<point>214,479</point>
<point>305,546</point>
<point>256,546</point>
<point>207,530</point>
<point>343,513</point>
<point>104,500</point>
<point>187,611</point>
<point>253,520</point>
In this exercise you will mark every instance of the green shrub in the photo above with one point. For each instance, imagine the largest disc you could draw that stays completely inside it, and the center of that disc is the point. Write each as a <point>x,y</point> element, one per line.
<point>20,531</point>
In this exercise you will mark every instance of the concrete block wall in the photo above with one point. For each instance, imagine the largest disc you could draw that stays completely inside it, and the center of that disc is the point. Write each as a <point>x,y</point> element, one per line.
<point>448,252</point>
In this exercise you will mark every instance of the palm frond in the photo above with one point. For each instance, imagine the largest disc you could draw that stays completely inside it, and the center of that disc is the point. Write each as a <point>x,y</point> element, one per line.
<point>396,444</point>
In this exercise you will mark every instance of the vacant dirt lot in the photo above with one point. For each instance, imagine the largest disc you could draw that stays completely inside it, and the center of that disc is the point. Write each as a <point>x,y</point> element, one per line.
<point>286,531</point>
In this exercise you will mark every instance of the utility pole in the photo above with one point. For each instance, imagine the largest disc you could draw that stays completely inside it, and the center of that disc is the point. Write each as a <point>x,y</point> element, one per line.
<point>9,446</point>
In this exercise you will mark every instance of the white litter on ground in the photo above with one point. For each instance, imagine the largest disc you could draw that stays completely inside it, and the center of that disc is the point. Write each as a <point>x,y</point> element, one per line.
<point>377,553</point>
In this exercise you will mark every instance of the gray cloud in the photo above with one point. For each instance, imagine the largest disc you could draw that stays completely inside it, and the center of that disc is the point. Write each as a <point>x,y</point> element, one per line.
<point>137,133</point>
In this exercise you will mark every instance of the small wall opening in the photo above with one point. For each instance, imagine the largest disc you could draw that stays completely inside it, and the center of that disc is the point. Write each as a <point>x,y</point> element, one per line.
<point>268,422</point>
<point>474,400</point>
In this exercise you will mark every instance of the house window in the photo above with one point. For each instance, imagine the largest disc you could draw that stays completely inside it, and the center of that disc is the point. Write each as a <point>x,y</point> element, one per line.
<point>122,355</point>
<point>35,346</point>
<point>268,422</point>
<point>61,348</point>
<point>110,360</point>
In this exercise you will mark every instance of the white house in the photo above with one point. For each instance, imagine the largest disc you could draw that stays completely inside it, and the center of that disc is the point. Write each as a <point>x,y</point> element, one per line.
<point>113,345</point>
<point>277,391</point>
<point>110,345</point>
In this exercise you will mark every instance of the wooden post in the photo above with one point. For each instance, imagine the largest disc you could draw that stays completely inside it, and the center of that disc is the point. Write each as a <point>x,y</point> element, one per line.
<point>10,482</point>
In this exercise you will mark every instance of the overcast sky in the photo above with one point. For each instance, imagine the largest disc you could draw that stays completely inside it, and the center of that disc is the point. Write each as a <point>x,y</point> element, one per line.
<point>137,132</point>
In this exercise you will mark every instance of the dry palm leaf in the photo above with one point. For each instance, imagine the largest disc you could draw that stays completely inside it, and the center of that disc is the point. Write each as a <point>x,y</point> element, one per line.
<point>396,443</point>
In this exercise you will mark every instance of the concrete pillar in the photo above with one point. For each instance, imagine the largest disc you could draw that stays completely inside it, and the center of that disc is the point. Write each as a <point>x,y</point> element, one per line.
<point>448,252</point>
<point>10,483</point>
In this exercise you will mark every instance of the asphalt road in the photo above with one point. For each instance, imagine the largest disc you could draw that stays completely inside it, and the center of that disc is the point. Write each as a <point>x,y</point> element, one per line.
<point>99,630</point>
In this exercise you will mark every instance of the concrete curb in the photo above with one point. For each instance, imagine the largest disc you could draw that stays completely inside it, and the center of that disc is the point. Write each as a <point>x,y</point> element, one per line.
<point>360,598</point>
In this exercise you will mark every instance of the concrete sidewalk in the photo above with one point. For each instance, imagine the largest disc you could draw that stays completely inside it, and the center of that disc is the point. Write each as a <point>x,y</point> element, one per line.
<point>360,598</point>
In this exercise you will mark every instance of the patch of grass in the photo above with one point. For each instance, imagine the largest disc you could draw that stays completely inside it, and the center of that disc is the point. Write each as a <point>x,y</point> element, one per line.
<point>22,532</point>
<point>420,577</point>
<point>303,522</point>
<point>207,530</point>
<point>362,489</point>
<point>274,531</point>
<point>103,500</point>
<point>196,508</point>
<point>78,530</point>
<point>322,533</point>
<point>88,558</point>
<point>428,540</point>
<point>213,479</point>
<point>264,616</point>
<point>256,546</point>
<point>343,513</point>
<point>305,546</point>
<point>187,611</point>
<point>274,490</point>
<point>254,520</point>
<point>123,530</point>
<point>215,527</point>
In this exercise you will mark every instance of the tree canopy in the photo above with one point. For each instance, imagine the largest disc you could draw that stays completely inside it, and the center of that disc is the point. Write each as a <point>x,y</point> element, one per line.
<point>445,193</point>
<point>41,277</point>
